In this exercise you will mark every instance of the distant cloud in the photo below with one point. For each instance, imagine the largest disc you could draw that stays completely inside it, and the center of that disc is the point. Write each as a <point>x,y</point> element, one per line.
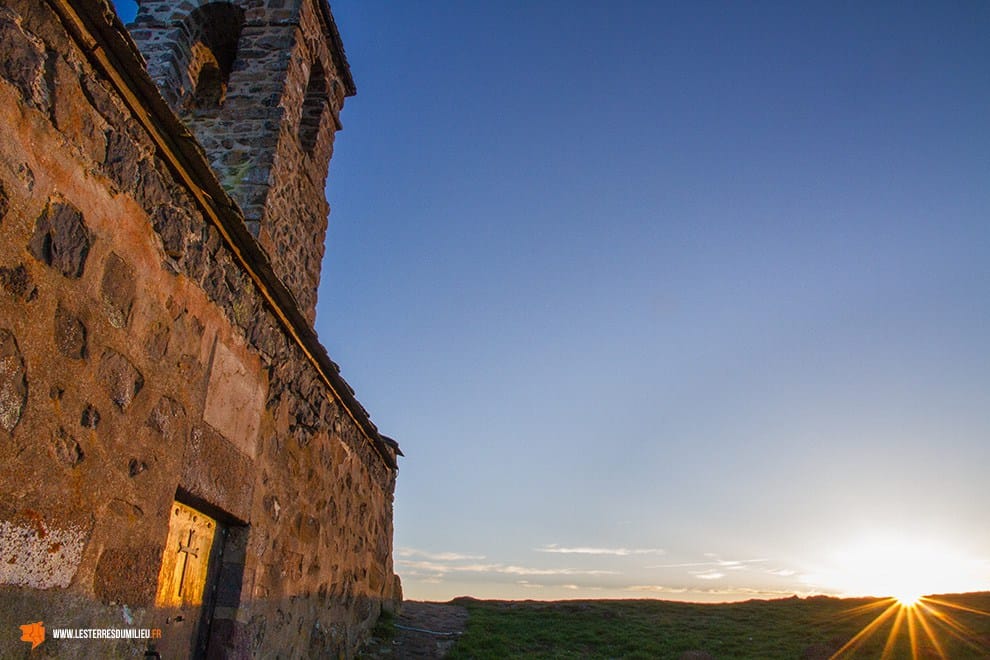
<point>441,568</point>
<point>438,569</point>
<point>522,570</point>
<point>656,588</point>
<point>782,572</point>
<point>727,564</point>
<point>615,552</point>
<point>725,591</point>
<point>436,556</point>
<point>708,575</point>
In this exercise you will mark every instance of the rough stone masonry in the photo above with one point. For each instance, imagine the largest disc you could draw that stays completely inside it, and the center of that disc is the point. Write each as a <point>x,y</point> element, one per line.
<point>177,450</point>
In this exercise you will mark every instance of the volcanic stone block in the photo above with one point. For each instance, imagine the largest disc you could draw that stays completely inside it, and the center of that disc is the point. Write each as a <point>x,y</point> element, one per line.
<point>307,529</point>
<point>117,290</point>
<point>17,282</point>
<point>122,160</point>
<point>61,239</point>
<point>136,467</point>
<point>67,449</point>
<point>214,471</point>
<point>171,223</point>
<point>72,112</point>
<point>23,61</point>
<point>120,379</point>
<point>90,417</point>
<point>168,419</point>
<point>13,382</point>
<point>157,342</point>
<point>70,334</point>
<point>100,98</point>
<point>4,203</point>
<point>128,576</point>
<point>272,507</point>
<point>152,191</point>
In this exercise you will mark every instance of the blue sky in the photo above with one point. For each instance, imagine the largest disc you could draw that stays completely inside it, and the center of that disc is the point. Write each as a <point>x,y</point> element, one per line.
<point>678,300</point>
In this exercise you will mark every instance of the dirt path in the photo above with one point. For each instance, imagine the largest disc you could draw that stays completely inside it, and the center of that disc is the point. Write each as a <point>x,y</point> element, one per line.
<point>423,630</point>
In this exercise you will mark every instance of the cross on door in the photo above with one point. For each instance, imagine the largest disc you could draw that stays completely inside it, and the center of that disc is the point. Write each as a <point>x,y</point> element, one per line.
<point>188,550</point>
<point>185,557</point>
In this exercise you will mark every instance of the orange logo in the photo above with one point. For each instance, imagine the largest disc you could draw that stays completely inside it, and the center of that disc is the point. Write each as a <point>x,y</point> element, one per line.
<point>33,633</point>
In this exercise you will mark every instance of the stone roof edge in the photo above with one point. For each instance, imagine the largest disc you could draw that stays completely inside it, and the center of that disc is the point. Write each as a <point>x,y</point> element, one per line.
<point>108,45</point>
<point>337,48</point>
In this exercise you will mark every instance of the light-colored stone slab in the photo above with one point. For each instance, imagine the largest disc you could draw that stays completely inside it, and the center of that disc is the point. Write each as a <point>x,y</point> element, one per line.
<point>235,398</point>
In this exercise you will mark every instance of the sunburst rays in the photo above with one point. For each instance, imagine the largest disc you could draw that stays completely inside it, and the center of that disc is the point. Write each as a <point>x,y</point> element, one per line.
<point>920,626</point>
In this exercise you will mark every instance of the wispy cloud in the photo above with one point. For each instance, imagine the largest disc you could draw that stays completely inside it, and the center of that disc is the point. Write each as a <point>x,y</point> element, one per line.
<point>725,564</point>
<point>522,570</point>
<point>583,550</point>
<point>526,584</point>
<point>656,588</point>
<point>725,591</point>
<point>440,568</point>
<point>436,556</point>
<point>708,575</point>
<point>782,572</point>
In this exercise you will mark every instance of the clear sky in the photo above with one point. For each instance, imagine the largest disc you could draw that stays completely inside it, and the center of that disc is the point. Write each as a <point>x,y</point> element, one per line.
<point>680,300</point>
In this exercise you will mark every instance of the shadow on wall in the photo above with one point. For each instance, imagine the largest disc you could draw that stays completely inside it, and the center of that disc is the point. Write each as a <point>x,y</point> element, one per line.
<point>271,626</point>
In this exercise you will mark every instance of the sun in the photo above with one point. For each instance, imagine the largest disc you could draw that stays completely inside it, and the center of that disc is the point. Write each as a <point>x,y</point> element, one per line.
<point>907,598</point>
<point>901,568</point>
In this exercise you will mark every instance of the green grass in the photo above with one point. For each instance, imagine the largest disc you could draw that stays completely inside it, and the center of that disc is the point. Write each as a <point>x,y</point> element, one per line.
<point>790,628</point>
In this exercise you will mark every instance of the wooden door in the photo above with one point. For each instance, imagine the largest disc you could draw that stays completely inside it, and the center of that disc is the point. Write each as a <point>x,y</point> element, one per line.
<point>185,579</point>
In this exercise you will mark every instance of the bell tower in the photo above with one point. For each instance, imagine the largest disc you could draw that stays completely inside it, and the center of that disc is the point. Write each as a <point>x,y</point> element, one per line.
<point>260,83</point>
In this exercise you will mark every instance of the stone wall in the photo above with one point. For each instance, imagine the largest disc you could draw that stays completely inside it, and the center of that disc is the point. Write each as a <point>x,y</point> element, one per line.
<point>141,358</point>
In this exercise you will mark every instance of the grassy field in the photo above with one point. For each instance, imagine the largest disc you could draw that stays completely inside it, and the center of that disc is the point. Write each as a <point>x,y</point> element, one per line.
<point>955,626</point>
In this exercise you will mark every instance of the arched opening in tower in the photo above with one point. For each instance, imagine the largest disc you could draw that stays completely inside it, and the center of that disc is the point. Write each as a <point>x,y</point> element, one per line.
<point>314,104</point>
<point>215,31</point>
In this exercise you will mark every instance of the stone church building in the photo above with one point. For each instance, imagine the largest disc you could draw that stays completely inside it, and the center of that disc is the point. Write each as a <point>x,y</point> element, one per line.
<point>178,453</point>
